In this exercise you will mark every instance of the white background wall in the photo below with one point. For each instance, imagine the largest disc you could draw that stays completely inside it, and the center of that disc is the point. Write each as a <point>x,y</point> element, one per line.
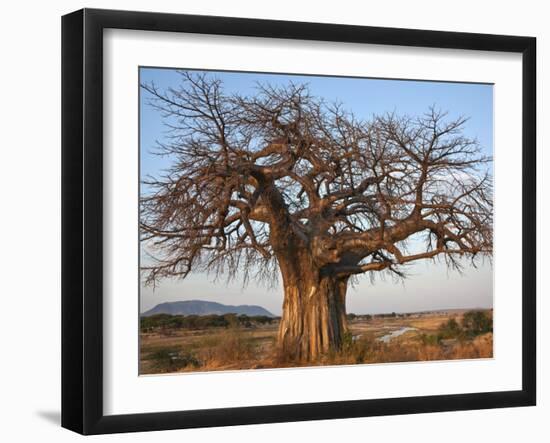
<point>30,219</point>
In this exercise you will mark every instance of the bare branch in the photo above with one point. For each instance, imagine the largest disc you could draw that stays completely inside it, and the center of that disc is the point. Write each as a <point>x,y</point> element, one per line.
<point>256,178</point>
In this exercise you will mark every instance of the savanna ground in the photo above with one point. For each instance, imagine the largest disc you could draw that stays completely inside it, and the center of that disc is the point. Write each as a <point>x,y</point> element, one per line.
<point>229,342</point>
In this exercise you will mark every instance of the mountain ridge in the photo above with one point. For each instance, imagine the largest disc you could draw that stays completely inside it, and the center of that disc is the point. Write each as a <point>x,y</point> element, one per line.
<point>203,307</point>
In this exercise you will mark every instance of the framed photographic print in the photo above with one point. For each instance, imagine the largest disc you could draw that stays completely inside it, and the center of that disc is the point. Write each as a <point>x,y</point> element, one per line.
<point>270,221</point>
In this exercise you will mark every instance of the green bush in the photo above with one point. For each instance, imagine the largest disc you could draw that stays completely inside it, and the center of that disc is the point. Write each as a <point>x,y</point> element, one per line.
<point>449,329</point>
<point>477,322</point>
<point>347,341</point>
<point>430,339</point>
<point>473,323</point>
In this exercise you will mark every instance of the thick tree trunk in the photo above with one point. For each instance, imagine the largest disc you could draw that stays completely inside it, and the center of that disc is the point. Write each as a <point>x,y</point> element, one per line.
<point>314,312</point>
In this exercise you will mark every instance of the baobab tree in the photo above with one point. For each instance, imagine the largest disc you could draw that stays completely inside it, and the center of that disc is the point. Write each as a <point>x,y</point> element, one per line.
<point>282,180</point>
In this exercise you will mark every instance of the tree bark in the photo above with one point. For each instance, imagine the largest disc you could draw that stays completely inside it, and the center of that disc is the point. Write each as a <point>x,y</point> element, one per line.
<point>314,312</point>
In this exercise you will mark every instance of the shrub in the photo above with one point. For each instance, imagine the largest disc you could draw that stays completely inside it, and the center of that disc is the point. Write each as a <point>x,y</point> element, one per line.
<point>430,339</point>
<point>476,323</point>
<point>473,324</point>
<point>347,341</point>
<point>232,347</point>
<point>170,360</point>
<point>450,329</point>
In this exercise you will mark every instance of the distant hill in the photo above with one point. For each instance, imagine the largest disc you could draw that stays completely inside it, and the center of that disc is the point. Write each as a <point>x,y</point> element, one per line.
<point>201,307</point>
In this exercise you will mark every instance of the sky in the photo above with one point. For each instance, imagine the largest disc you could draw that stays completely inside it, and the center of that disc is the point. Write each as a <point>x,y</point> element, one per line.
<point>429,285</point>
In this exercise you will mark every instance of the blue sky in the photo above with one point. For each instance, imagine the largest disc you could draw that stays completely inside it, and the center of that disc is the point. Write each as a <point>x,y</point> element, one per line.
<point>430,286</point>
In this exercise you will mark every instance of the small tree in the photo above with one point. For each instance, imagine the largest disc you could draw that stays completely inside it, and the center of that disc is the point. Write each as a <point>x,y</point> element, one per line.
<point>282,180</point>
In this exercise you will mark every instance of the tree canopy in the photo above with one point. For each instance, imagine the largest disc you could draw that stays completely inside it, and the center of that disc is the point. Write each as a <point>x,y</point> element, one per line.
<point>252,175</point>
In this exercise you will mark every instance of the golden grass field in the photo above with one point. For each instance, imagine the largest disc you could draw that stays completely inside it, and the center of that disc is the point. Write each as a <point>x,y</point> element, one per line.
<point>254,347</point>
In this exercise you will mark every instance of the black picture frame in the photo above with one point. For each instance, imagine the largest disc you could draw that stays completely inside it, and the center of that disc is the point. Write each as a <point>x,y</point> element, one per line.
<point>82,218</point>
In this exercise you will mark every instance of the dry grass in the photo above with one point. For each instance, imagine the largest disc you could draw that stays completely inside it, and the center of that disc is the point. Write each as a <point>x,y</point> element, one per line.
<point>244,348</point>
<point>230,349</point>
<point>214,349</point>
